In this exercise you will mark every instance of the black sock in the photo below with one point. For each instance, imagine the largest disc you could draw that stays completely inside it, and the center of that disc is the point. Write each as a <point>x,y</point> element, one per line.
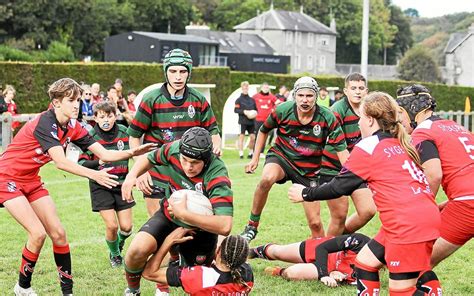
<point>28,262</point>
<point>62,257</point>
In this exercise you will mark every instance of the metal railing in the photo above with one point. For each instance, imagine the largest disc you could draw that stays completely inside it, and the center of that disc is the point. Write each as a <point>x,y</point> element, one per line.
<point>219,61</point>
<point>460,117</point>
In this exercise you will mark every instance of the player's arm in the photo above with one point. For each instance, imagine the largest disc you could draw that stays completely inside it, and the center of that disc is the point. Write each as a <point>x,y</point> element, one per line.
<point>141,166</point>
<point>102,177</point>
<point>343,156</point>
<point>114,155</point>
<point>153,271</point>
<point>349,242</point>
<point>238,108</point>
<point>262,135</point>
<point>431,164</point>
<point>144,182</point>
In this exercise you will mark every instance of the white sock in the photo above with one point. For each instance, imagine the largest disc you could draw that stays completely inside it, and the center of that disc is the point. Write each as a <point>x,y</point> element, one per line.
<point>241,153</point>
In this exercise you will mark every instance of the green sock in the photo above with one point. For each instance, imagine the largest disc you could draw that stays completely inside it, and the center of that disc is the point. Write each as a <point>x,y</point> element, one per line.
<point>122,236</point>
<point>113,247</point>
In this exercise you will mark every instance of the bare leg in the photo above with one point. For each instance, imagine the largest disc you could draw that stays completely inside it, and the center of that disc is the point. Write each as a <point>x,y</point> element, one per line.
<point>441,250</point>
<point>365,210</point>
<point>240,143</point>
<point>125,220</point>
<point>287,253</point>
<point>312,211</point>
<point>272,172</point>
<point>152,205</point>
<point>338,209</point>
<point>301,271</point>
<point>111,225</point>
<point>251,142</point>
<point>141,247</point>
<point>46,212</point>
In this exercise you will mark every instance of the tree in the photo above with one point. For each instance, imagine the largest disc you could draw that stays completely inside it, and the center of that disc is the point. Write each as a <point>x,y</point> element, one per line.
<point>233,12</point>
<point>411,12</point>
<point>418,64</point>
<point>403,38</point>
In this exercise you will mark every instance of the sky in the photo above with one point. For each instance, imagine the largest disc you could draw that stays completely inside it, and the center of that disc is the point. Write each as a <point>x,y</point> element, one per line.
<point>434,8</point>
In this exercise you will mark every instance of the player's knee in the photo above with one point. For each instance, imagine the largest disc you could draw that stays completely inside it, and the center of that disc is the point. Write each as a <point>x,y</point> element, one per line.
<point>111,227</point>
<point>315,225</point>
<point>58,236</point>
<point>135,254</point>
<point>265,183</point>
<point>367,214</point>
<point>38,237</point>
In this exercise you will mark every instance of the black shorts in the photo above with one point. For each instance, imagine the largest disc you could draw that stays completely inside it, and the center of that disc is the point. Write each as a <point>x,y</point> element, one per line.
<point>108,199</point>
<point>290,173</point>
<point>159,226</point>
<point>249,128</point>
<point>327,178</point>
<point>258,124</point>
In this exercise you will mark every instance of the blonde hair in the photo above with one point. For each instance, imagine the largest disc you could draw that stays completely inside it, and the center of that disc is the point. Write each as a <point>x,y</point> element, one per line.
<point>244,83</point>
<point>64,87</point>
<point>9,88</point>
<point>384,109</point>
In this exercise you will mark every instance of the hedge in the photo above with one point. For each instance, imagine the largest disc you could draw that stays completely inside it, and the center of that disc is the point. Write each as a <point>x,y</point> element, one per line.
<point>31,81</point>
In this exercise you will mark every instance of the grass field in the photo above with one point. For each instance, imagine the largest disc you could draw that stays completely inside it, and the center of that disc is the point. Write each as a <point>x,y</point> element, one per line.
<point>282,222</point>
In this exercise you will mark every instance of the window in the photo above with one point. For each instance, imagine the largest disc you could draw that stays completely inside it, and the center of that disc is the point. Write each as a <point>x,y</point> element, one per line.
<point>324,41</point>
<point>251,43</point>
<point>322,63</point>
<point>297,61</point>
<point>298,38</point>
<point>222,42</point>
<point>289,37</point>
<point>309,64</point>
<point>310,39</point>
<point>261,44</point>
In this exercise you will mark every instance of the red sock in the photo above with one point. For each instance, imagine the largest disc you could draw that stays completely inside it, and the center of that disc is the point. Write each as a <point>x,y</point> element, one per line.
<point>28,262</point>
<point>429,284</point>
<point>163,287</point>
<point>133,278</point>
<point>368,282</point>
<point>403,292</point>
<point>254,223</point>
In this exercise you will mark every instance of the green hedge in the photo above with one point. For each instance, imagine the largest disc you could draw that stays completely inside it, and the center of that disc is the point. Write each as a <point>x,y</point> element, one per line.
<point>31,81</point>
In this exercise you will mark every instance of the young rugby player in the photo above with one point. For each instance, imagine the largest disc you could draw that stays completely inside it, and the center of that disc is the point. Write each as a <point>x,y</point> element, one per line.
<point>387,161</point>
<point>347,113</point>
<point>328,259</point>
<point>229,275</point>
<point>23,194</point>
<point>303,129</point>
<point>190,164</point>
<point>116,213</point>
<point>164,115</point>
<point>447,155</point>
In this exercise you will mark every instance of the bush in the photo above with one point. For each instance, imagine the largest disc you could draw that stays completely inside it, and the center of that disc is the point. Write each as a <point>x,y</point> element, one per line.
<point>13,54</point>
<point>59,52</point>
<point>418,64</point>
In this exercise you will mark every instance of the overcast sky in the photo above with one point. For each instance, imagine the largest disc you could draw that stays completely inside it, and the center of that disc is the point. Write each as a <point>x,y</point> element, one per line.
<point>433,8</point>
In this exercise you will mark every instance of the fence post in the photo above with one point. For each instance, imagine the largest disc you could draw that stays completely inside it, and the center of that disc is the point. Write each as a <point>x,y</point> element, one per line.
<point>6,130</point>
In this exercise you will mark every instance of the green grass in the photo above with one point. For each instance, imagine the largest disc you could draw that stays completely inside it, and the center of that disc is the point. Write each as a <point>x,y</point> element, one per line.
<point>282,222</point>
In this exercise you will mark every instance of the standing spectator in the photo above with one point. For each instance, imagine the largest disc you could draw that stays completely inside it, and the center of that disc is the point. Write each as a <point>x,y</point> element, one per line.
<point>324,99</point>
<point>247,110</point>
<point>338,95</point>
<point>265,102</point>
<point>280,96</point>
<point>122,106</point>
<point>9,94</point>
<point>87,103</point>
<point>303,129</point>
<point>96,96</point>
<point>119,87</point>
<point>130,99</point>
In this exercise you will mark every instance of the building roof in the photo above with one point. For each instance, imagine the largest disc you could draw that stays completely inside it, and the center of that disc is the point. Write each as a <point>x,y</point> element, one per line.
<point>231,42</point>
<point>455,40</point>
<point>285,21</point>
<point>176,37</point>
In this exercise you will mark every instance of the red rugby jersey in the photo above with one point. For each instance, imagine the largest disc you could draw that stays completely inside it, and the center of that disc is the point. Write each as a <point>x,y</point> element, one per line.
<point>202,280</point>
<point>454,146</point>
<point>28,151</point>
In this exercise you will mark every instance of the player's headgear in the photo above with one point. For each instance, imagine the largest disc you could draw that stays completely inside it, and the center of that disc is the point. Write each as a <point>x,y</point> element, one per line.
<point>414,99</point>
<point>178,57</point>
<point>306,82</point>
<point>196,143</point>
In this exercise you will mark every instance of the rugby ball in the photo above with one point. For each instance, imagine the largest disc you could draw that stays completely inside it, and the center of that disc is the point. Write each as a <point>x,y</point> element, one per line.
<point>196,202</point>
<point>251,114</point>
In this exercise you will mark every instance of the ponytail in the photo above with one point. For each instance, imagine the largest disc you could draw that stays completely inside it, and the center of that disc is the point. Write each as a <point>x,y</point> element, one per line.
<point>404,140</point>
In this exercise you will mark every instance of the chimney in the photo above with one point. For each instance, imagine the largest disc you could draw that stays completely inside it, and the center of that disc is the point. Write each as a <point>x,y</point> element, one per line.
<point>332,26</point>
<point>301,9</point>
<point>271,5</point>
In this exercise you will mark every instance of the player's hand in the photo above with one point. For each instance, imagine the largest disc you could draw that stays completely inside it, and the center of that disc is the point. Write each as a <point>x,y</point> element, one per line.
<point>127,187</point>
<point>104,178</point>
<point>295,193</point>
<point>441,205</point>
<point>252,165</point>
<point>329,281</point>
<point>144,183</point>
<point>337,275</point>
<point>179,235</point>
<point>178,209</point>
<point>217,150</point>
<point>142,149</point>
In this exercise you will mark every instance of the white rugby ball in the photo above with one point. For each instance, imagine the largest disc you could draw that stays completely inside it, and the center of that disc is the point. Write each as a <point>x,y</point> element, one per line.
<point>196,202</point>
<point>251,114</point>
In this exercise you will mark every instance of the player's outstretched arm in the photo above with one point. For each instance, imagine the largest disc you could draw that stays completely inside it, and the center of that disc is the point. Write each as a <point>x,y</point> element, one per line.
<point>152,271</point>
<point>141,166</point>
<point>259,146</point>
<point>343,156</point>
<point>113,155</point>
<point>64,164</point>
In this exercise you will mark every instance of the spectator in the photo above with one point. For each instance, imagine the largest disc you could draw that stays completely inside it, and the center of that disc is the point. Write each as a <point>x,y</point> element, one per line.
<point>323,99</point>
<point>280,96</point>
<point>246,108</point>
<point>87,103</point>
<point>265,102</point>
<point>9,94</point>
<point>96,95</point>
<point>130,99</point>
<point>122,106</point>
<point>119,87</point>
<point>338,95</point>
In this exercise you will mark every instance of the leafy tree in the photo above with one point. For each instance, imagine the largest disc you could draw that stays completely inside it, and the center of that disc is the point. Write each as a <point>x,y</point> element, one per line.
<point>411,12</point>
<point>233,12</point>
<point>403,39</point>
<point>418,64</point>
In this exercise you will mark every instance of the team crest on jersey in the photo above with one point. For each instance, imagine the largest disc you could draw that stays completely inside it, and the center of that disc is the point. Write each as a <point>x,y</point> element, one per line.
<point>120,145</point>
<point>316,130</point>
<point>198,187</point>
<point>39,151</point>
<point>191,111</point>
<point>168,135</point>
<point>200,259</point>
<point>293,141</point>
<point>11,186</point>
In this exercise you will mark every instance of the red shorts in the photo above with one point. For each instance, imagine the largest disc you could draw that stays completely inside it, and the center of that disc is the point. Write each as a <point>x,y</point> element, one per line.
<point>457,221</point>
<point>407,257</point>
<point>308,248</point>
<point>32,190</point>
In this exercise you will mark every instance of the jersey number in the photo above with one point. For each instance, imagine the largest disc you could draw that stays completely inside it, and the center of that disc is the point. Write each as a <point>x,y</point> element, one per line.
<point>415,172</point>
<point>469,148</point>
